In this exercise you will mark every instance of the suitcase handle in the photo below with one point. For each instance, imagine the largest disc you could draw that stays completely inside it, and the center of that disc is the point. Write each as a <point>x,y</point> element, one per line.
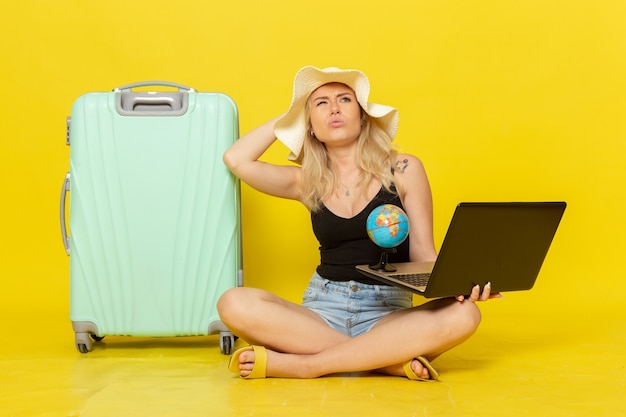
<point>130,103</point>
<point>64,190</point>
<point>153,83</point>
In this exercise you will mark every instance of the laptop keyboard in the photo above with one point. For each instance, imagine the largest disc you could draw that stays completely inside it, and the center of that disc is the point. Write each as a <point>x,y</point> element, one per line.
<point>417,280</point>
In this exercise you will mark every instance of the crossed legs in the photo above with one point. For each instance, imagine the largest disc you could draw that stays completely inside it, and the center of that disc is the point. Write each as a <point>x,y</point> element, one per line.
<point>301,345</point>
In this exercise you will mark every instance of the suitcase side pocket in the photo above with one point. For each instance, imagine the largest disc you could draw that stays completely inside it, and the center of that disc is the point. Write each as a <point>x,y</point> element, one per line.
<point>64,190</point>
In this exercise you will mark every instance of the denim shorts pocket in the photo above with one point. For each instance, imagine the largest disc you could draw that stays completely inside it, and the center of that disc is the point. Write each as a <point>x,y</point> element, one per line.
<point>310,295</point>
<point>399,300</point>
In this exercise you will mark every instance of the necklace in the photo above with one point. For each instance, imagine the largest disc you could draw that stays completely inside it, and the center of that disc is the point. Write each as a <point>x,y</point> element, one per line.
<point>355,184</point>
<point>347,193</point>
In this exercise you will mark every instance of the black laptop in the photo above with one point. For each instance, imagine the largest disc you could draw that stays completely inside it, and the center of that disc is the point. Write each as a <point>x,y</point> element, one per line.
<point>501,243</point>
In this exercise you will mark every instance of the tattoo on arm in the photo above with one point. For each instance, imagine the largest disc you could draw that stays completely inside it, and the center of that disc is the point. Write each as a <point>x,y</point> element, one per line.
<point>401,165</point>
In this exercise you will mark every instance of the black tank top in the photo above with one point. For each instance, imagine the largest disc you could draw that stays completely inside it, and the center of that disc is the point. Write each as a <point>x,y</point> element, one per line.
<point>344,243</point>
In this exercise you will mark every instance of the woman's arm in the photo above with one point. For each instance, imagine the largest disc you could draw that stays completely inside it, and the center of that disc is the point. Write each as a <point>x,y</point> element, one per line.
<point>414,190</point>
<point>242,158</point>
<point>416,197</point>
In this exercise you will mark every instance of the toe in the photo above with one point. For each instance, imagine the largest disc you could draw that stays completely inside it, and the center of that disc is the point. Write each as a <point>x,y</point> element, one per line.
<point>419,369</point>
<point>247,357</point>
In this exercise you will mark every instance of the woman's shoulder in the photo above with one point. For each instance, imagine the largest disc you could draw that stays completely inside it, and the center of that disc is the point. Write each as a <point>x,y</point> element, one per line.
<point>406,162</point>
<point>409,173</point>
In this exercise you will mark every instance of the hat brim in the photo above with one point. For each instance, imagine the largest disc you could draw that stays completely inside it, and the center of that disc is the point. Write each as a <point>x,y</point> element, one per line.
<point>291,128</point>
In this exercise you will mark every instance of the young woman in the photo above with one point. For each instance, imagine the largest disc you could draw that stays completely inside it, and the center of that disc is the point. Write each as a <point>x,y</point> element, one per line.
<point>346,167</point>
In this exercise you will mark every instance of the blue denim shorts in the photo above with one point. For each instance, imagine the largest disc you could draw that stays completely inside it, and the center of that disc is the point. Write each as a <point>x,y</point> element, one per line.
<point>351,307</point>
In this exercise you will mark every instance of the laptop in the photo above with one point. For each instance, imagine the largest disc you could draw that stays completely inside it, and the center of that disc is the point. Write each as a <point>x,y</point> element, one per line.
<point>501,243</point>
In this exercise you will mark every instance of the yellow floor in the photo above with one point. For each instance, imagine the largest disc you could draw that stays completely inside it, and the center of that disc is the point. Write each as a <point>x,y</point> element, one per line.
<point>516,365</point>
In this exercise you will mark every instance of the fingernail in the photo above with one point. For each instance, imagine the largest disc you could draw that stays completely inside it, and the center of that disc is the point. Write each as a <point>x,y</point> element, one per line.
<point>488,284</point>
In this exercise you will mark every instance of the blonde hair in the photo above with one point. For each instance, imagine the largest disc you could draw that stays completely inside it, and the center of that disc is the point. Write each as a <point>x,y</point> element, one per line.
<point>375,156</point>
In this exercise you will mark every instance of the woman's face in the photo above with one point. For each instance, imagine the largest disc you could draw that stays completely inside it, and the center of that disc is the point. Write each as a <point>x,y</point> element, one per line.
<point>335,114</point>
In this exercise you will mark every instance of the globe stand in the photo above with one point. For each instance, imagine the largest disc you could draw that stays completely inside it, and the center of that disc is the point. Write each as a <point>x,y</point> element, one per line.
<point>383,264</point>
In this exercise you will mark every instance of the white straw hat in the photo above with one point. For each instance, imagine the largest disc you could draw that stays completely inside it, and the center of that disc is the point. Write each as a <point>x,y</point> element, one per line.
<point>291,129</point>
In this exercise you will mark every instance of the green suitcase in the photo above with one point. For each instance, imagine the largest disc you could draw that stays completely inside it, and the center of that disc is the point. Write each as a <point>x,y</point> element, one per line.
<point>154,215</point>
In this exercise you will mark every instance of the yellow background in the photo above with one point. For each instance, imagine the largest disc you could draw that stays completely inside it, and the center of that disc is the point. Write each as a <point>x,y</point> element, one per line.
<point>503,100</point>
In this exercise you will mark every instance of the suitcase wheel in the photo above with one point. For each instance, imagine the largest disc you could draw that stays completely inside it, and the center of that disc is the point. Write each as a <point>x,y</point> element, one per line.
<point>83,342</point>
<point>227,342</point>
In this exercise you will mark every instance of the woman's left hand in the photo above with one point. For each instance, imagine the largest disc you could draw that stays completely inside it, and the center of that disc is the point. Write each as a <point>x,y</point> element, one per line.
<point>476,295</point>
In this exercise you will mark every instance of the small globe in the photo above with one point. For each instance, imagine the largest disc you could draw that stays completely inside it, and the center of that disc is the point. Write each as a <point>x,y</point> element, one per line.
<point>387,226</point>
